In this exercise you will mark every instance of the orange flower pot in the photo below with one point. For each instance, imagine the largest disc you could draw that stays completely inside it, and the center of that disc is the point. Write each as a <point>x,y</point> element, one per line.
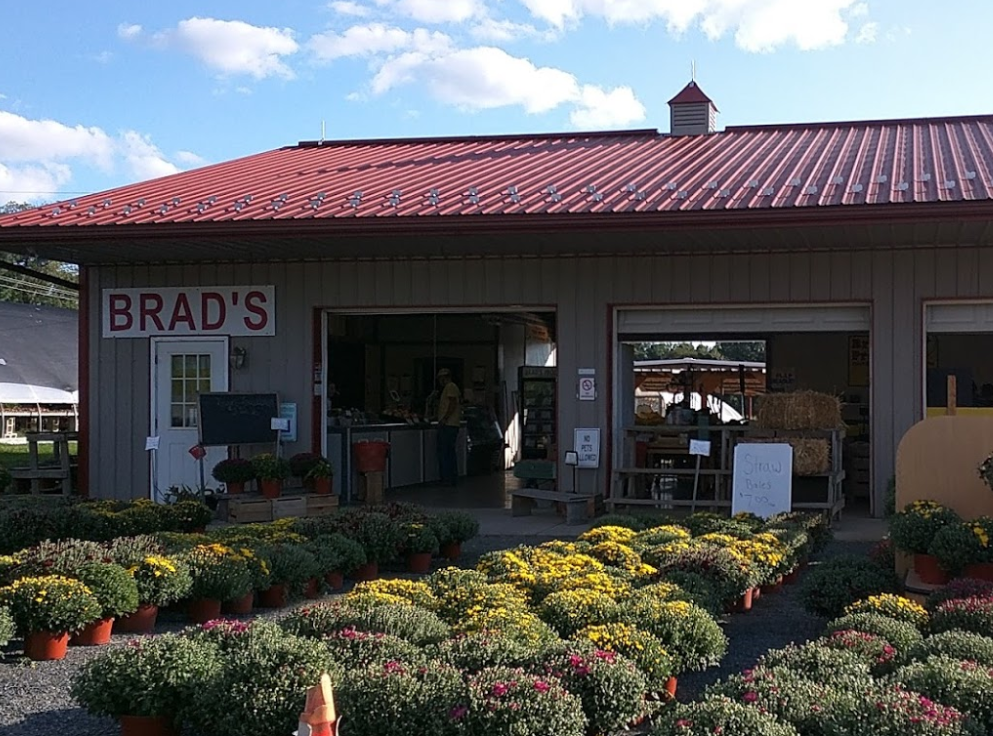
<point>202,610</point>
<point>335,580</point>
<point>419,563</point>
<point>239,606</point>
<point>272,488</point>
<point>365,573</point>
<point>744,603</point>
<point>273,597</point>
<point>313,589</point>
<point>451,551</point>
<point>95,635</point>
<point>235,488</point>
<point>670,686</point>
<point>141,621</point>
<point>929,571</point>
<point>147,726</point>
<point>46,646</point>
<point>323,486</point>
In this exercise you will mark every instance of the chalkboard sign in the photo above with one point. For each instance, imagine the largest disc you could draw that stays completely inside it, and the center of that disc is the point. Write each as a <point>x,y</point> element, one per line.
<point>763,479</point>
<point>237,419</point>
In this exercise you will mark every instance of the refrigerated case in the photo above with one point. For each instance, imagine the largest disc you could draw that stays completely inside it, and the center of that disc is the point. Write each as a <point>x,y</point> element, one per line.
<point>537,386</point>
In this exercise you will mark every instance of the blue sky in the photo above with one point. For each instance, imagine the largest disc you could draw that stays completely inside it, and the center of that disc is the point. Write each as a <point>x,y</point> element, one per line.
<point>102,94</point>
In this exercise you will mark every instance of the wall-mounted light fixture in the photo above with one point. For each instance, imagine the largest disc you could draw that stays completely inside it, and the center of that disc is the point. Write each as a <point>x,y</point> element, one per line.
<point>239,357</point>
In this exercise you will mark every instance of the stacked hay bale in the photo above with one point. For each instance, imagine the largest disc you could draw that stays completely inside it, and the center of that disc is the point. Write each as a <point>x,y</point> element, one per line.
<point>801,411</point>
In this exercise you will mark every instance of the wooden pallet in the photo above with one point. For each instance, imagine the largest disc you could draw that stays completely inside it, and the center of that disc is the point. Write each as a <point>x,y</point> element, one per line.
<point>252,509</point>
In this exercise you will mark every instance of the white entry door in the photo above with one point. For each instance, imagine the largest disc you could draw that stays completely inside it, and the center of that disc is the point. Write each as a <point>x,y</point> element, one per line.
<point>181,372</point>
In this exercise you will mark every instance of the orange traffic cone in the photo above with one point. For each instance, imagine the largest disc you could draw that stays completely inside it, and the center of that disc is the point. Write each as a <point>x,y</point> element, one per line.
<point>319,717</point>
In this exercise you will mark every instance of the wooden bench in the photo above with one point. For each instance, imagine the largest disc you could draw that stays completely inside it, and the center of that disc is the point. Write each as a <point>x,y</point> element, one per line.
<point>578,506</point>
<point>60,469</point>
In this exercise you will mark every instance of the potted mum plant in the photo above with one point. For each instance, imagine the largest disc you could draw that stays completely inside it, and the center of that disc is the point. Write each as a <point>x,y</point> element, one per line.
<point>146,684</point>
<point>234,473</point>
<point>419,543</point>
<point>271,472</point>
<point>161,581</point>
<point>302,463</point>
<point>218,574</point>
<point>379,536</point>
<point>965,548</point>
<point>321,477</point>
<point>453,529</point>
<point>117,593</point>
<point>337,555</point>
<point>6,627</point>
<point>292,568</point>
<point>914,529</point>
<point>260,570</point>
<point>46,610</point>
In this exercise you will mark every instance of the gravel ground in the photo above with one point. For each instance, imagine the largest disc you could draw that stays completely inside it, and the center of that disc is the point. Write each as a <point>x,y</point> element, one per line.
<point>34,697</point>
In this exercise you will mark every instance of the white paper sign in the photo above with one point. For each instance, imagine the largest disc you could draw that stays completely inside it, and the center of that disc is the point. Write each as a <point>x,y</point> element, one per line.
<point>763,479</point>
<point>278,424</point>
<point>152,443</point>
<point>238,311</point>
<point>587,444</point>
<point>700,447</point>
<point>288,412</point>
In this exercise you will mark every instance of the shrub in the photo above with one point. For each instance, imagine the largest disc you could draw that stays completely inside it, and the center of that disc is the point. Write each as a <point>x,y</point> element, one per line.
<point>963,645</point>
<point>337,553</point>
<point>161,580</point>
<point>883,553</point>
<point>894,606</point>
<point>642,648</point>
<point>719,715</point>
<point>779,692</point>
<point>395,697</point>
<point>659,536</point>
<point>568,611</point>
<point>622,520</point>
<point>269,467</point>
<point>697,589</point>
<point>61,557</point>
<point>872,649</point>
<point>966,614</point>
<point>476,652</point>
<point>418,538</point>
<point>455,527</point>
<point>51,603</point>
<point>819,663</point>
<point>416,592</point>
<point>449,579</point>
<point>148,677</point>
<point>611,687</point>
<point>130,551</point>
<point>898,633</point>
<point>960,588</point>
<point>6,627</point>
<point>292,565</point>
<point>891,711</point>
<point>6,479</point>
<point>378,534</point>
<point>229,635</point>
<point>353,648</point>
<point>913,529</point>
<point>303,462</point>
<point>687,631</point>
<point>720,566</point>
<point>830,587</point>
<point>455,604</point>
<point>963,685</point>
<point>260,690</point>
<point>506,701</point>
<point>218,573</point>
<point>815,525</point>
<point>522,626</point>
<point>113,587</point>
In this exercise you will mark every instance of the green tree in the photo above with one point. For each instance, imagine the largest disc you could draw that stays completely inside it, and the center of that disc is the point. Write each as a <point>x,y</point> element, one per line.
<point>15,287</point>
<point>745,351</point>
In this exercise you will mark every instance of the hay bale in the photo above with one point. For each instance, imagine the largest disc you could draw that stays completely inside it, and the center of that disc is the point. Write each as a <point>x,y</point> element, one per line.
<point>810,456</point>
<point>799,410</point>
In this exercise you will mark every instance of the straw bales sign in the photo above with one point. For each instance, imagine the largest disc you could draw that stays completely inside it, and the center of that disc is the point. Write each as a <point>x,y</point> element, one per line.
<point>763,479</point>
<point>238,311</point>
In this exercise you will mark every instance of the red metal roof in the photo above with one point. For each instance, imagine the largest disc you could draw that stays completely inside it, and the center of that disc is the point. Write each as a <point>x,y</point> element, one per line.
<point>756,168</point>
<point>690,94</point>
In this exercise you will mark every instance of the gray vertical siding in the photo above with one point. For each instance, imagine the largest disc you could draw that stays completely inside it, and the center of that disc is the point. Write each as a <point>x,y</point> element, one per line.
<point>582,290</point>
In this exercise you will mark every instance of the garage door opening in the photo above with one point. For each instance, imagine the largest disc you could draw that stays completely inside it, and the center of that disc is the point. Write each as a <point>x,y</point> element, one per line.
<point>395,376</point>
<point>702,374</point>
<point>959,343</point>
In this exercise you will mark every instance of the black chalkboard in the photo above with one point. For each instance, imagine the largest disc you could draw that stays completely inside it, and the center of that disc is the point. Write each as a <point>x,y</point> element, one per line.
<point>237,419</point>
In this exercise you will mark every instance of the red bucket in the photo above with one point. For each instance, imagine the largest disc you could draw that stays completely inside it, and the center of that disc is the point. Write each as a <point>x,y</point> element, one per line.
<point>370,455</point>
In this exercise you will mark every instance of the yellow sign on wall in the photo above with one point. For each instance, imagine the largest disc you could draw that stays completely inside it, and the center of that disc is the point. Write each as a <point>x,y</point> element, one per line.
<point>858,360</point>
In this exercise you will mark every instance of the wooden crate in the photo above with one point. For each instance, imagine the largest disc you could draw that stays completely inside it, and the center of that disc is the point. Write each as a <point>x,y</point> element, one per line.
<point>371,488</point>
<point>321,505</point>
<point>291,507</point>
<point>249,510</point>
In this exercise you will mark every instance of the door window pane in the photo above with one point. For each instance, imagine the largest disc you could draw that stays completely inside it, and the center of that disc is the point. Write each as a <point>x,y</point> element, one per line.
<point>190,376</point>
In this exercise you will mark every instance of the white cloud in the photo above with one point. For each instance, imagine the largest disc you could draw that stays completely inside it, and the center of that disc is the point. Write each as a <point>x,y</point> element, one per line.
<point>143,157</point>
<point>233,47</point>
<point>436,11</point>
<point>129,31</point>
<point>867,33</point>
<point>104,57</point>
<point>757,25</point>
<point>189,158</point>
<point>485,77</point>
<point>375,39</point>
<point>347,7</point>
<point>601,109</point>
<point>40,156</point>
<point>506,31</point>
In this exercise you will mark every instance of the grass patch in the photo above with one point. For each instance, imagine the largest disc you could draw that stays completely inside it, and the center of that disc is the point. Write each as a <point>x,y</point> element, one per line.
<point>12,456</point>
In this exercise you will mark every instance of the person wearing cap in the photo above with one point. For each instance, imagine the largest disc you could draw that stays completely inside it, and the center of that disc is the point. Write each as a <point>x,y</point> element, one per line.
<point>449,421</point>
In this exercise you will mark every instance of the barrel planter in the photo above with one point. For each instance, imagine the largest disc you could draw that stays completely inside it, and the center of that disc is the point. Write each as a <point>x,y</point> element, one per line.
<point>95,634</point>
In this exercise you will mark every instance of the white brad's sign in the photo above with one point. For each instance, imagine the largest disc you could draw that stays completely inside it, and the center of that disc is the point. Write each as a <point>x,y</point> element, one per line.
<point>238,311</point>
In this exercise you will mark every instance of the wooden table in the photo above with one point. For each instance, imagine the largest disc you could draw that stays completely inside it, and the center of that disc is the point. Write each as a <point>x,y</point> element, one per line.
<point>59,469</point>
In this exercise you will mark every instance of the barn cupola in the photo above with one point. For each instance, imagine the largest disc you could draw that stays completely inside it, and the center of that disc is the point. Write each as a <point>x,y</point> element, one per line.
<point>691,112</point>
